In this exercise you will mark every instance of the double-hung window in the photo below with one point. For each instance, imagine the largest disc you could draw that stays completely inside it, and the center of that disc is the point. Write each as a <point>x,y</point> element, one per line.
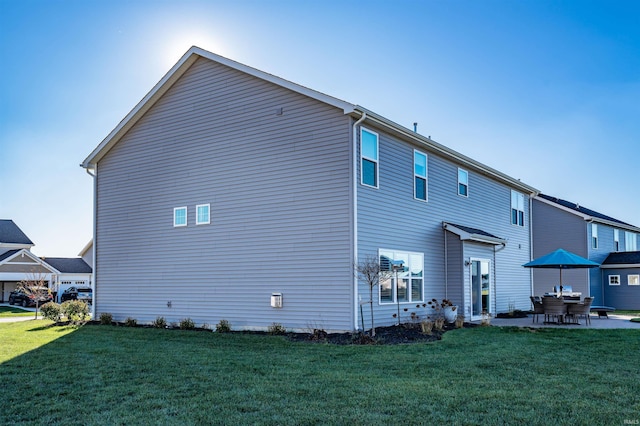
<point>368,158</point>
<point>420,175</point>
<point>630,241</point>
<point>402,279</point>
<point>594,236</point>
<point>517,208</point>
<point>202,214</point>
<point>180,216</point>
<point>616,240</point>
<point>463,183</point>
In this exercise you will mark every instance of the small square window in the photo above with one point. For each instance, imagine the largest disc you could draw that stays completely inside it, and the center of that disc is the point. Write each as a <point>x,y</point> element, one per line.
<point>614,279</point>
<point>202,214</point>
<point>180,216</point>
<point>633,280</point>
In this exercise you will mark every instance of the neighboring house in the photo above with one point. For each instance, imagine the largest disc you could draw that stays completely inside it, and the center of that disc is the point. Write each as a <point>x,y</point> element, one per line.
<point>563,224</point>
<point>621,280</point>
<point>17,264</point>
<point>228,190</point>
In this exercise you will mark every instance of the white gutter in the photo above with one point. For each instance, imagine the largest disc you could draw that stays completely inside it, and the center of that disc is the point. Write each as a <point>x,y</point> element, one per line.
<point>93,249</point>
<point>354,189</point>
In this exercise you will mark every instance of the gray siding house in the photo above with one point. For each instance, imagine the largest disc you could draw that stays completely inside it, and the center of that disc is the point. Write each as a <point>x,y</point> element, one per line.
<point>621,280</point>
<point>563,224</point>
<point>229,193</point>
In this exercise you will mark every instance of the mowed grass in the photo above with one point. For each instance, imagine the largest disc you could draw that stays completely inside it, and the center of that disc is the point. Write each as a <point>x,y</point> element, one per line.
<point>10,311</point>
<point>93,375</point>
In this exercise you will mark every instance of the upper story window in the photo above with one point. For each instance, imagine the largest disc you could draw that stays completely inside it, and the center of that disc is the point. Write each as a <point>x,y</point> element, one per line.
<point>368,157</point>
<point>463,183</point>
<point>630,241</point>
<point>180,216</point>
<point>419,175</point>
<point>517,208</point>
<point>616,240</point>
<point>406,284</point>
<point>594,236</point>
<point>202,214</point>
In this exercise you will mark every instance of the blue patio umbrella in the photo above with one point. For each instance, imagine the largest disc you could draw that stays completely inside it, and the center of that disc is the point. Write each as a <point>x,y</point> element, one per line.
<point>561,259</point>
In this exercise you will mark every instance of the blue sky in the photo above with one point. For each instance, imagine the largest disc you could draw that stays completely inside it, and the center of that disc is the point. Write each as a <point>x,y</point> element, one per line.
<point>544,91</point>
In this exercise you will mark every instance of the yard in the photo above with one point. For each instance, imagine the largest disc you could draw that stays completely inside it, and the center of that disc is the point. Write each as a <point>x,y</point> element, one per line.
<point>485,375</point>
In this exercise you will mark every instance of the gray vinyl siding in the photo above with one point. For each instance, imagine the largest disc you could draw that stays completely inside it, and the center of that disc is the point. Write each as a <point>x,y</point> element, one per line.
<point>390,218</point>
<point>605,246</point>
<point>553,229</point>
<point>623,296</point>
<point>279,190</point>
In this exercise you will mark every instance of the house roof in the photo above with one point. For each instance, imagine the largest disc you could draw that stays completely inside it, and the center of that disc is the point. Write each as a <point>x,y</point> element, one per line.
<point>68,265</point>
<point>586,213</point>
<point>194,53</point>
<point>622,259</point>
<point>10,233</point>
<point>8,254</point>
<point>473,234</point>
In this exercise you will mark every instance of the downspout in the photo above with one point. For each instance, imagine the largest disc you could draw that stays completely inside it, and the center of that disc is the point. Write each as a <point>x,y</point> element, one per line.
<point>93,249</point>
<point>354,209</point>
<point>531,243</point>
<point>446,266</point>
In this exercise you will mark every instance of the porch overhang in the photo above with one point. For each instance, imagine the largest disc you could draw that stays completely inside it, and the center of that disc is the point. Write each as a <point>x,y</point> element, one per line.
<point>473,234</point>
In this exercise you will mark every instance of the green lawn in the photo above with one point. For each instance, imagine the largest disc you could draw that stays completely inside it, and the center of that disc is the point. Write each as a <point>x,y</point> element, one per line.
<point>486,375</point>
<point>14,311</point>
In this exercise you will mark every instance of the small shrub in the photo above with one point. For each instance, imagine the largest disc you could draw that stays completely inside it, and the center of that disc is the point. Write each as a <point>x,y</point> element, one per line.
<point>106,318</point>
<point>187,324</point>
<point>160,322</point>
<point>460,321</point>
<point>318,334</point>
<point>131,322</point>
<point>426,326</point>
<point>223,326</point>
<point>438,323</point>
<point>206,326</point>
<point>75,310</point>
<point>51,311</point>
<point>276,328</point>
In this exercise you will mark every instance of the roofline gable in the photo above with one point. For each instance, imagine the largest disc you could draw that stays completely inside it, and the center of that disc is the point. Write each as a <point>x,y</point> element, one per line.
<point>588,218</point>
<point>172,76</point>
<point>32,256</point>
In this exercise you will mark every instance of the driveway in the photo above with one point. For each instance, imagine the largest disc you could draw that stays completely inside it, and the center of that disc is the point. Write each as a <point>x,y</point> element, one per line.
<point>20,318</point>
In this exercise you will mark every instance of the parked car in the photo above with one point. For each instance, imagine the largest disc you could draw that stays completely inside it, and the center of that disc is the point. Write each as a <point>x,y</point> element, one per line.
<point>19,297</point>
<point>77,293</point>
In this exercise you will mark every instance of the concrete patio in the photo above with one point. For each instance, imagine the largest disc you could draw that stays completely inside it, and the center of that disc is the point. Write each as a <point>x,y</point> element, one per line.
<point>614,321</point>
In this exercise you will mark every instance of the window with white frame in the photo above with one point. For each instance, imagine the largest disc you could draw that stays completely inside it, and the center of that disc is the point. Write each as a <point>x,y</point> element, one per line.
<point>202,214</point>
<point>594,236</point>
<point>517,208</point>
<point>463,183</point>
<point>406,283</point>
<point>633,279</point>
<point>614,279</point>
<point>368,158</point>
<point>616,240</point>
<point>180,216</point>
<point>420,175</point>
<point>630,241</point>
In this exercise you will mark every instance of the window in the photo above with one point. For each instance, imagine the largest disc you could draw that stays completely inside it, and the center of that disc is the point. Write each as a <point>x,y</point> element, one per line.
<point>594,236</point>
<point>406,285</point>
<point>630,242</point>
<point>463,183</point>
<point>180,216</point>
<point>517,208</point>
<point>614,279</point>
<point>633,280</point>
<point>202,214</point>
<point>419,175</point>
<point>368,158</point>
<point>616,240</point>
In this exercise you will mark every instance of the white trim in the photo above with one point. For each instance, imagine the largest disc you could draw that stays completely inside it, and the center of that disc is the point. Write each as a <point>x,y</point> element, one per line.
<point>517,209</point>
<point>425,177</point>
<point>208,206</point>
<point>594,236</point>
<point>374,160</point>
<point>611,276</point>
<point>491,301</point>
<point>410,278</point>
<point>186,216</point>
<point>465,184</point>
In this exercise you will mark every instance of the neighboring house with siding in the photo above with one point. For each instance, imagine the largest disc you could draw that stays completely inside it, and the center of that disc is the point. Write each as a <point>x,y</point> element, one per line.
<point>621,280</point>
<point>227,188</point>
<point>563,224</point>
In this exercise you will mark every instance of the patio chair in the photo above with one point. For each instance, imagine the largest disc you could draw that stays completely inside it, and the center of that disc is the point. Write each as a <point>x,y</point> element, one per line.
<point>577,310</point>
<point>553,308</point>
<point>538,309</point>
